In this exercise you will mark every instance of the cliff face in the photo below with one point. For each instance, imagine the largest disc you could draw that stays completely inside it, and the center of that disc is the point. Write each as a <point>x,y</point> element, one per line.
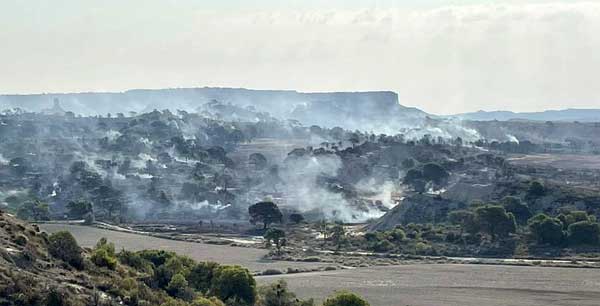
<point>278,102</point>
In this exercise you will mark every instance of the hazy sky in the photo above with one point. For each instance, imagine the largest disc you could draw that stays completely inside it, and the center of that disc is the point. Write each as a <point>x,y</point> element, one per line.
<point>441,56</point>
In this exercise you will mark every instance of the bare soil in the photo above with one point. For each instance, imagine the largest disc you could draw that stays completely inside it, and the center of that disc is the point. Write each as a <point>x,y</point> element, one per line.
<point>400,285</point>
<point>453,285</point>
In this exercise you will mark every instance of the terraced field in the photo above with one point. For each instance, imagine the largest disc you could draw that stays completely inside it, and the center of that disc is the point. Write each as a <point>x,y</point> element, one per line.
<point>415,284</point>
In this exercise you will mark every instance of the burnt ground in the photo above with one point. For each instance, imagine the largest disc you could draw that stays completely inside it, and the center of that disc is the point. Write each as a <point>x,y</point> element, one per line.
<point>409,284</point>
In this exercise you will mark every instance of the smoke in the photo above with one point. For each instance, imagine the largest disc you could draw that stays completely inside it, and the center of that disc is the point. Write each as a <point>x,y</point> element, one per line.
<point>512,138</point>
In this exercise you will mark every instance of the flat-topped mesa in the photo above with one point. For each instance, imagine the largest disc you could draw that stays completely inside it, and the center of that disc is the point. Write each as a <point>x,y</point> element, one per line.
<point>278,102</point>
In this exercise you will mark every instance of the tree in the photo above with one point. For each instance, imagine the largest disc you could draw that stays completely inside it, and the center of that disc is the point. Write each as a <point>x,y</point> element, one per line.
<point>338,235</point>
<point>546,230</point>
<point>345,299</point>
<point>265,213</point>
<point>35,210</point>
<point>515,206</point>
<point>79,209</point>
<point>177,286</point>
<point>258,160</point>
<point>536,189</point>
<point>234,284</point>
<point>296,218</point>
<point>435,173</point>
<point>63,246</point>
<point>277,237</point>
<point>493,220</point>
<point>465,219</point>
<point>584,232</point>
<point>573,217</point>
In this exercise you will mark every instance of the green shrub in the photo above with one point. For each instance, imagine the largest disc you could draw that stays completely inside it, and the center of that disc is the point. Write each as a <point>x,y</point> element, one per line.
<point>345,299</point>
<point>201,276</point>
<point>212,301</point>
<point>584,232</point>
<point>177,286</point>
<point>103,254</point>
<point>546,230</point>
<point>63,246</point>
<point>234,283</point>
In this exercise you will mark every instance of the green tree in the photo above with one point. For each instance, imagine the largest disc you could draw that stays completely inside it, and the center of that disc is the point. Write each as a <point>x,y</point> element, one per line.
<point>584,232</point>
<point>274,236</point>
<point>345,299</point>
<point>435,173</point>
<point>201,276</point>
<point>234,284</point>
<point>536,189</point>
<point>78,209</point>
<point>265,213</point>
<point>465,219</point>
<point>519,209</point>
<point>546,230</point>
<point>35,210</point>
<point>495,221</point>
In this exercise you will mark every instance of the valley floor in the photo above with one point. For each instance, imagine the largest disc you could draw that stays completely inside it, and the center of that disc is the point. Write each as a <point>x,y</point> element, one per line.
<point>412,284</point>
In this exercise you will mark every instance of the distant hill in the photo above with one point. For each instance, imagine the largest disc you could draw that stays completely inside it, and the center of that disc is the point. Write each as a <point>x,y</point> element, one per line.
<point>571,114</point>
<point>339,108</point>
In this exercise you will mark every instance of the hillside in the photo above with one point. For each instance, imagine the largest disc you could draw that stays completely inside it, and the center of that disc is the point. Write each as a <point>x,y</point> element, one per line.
<point>571,114</point>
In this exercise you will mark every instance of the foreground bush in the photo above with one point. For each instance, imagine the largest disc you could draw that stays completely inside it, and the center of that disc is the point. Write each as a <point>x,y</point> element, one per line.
<point>63,246</point>
<point>103,254</point>
<point>234,285</point>
<point>345,299</point>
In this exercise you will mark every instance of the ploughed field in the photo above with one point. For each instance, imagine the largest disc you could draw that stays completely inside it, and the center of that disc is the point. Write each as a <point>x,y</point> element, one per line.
<point>414,284</point>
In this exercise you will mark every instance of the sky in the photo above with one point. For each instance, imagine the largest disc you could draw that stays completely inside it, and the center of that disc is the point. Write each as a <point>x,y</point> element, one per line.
<point>444,57</point>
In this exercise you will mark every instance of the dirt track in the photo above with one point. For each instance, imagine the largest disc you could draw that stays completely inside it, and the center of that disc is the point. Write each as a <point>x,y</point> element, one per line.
<point>415,284</point>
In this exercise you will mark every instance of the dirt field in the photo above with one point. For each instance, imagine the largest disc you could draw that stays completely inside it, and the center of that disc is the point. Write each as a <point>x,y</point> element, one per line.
<point>454,285</point>
<point>415,284</point>
<point>559,161</point>
<point>250,258</point>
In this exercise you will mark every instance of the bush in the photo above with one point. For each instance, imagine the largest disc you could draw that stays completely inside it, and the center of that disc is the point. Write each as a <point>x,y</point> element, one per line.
<point>536,189</point>
<point>546,230</point>
<point>584,232</point>
<point>103,254</point>
<point>398,235</point>
<point>178,286</point>
<point>382,246</point>
<point>63,246</point>
<point>345,299</point>
<point>277,294</point>
<point>212,301</point>
<point>515,206</point>
<point>135,261</point>
<point>234,283</point>
<point>201,276</point>
<point>493,220</point>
